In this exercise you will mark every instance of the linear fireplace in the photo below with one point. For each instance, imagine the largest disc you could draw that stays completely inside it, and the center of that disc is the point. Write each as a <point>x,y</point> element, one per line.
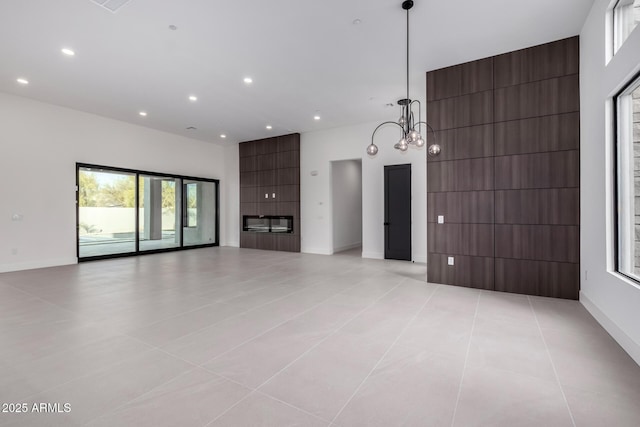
<point>267,224</point>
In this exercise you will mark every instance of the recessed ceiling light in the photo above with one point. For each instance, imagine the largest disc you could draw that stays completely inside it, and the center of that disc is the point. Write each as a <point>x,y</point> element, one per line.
<point>143,113</point>
<point>248,80</point>
<point>357,21</point>
<point>173,27</point>
<point>67,51</point>
<point>192,128</point>
<point>193,98</point>
<point>316,117</point>
<point>269,127</point>
<point>223,136</point>
<point>22,81</point>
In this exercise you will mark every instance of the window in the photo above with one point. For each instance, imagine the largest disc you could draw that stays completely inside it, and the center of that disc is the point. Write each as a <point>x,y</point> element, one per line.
<point>628,177</point>
<point>626,15</point>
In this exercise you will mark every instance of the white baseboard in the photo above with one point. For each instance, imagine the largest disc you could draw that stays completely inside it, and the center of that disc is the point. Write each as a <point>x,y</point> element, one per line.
<point>625,341</point>
<point>373,255</point>
<point>420,258</point>
<point>316,251</point>
<point>32,265</point>
<point>347,247</point>
<point>231,244</point>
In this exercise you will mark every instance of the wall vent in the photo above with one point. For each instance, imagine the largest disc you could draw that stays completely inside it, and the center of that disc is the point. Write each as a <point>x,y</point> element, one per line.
<point>111,5</point>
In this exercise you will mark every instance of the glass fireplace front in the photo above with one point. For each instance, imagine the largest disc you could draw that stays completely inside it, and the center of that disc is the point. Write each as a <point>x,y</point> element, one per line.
<point>267,224</point>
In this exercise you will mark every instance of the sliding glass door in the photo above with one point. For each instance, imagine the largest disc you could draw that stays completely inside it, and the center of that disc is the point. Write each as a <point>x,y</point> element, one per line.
<point>124,212</point>
<point>159,213</point>
<point>106,212</point>
<point>199,212</point>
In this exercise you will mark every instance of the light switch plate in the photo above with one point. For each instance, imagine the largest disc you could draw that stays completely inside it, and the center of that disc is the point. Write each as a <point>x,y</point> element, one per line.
<point>440,219</point>
<point>450,260</point>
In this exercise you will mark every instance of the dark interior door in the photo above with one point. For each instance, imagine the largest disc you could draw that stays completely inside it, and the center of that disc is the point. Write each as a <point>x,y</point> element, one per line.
<point>397,212</point>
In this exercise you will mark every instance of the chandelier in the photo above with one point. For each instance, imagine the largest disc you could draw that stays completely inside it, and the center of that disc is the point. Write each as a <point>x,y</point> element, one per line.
<point>411,129</point>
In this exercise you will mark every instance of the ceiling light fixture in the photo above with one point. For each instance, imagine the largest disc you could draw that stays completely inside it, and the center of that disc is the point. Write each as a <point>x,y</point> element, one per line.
<point>269,127</point>
<point>143,113</point>
<point>22,81</point>
<point>410,127</point>
<point>223,136</point>
<point>193,98</point>
<point>67,51</point>
<point>316,117</point>
<point>248,80</point>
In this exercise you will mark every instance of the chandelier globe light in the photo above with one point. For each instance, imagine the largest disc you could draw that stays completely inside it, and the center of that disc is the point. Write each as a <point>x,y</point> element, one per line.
<point>410,127</point>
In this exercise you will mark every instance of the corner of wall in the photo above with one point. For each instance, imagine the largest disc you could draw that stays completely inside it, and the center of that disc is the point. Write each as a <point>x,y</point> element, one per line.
<point>618,334</point>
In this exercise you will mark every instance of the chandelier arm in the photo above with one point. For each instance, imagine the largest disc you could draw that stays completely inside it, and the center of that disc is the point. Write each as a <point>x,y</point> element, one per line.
<point>382,124</point>
<point>433,132</point>
<point>418,123</point>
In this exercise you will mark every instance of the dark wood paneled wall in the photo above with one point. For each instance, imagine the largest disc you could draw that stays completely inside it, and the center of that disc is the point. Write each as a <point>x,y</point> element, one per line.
<point>507,179</point>
<point>271,167</point>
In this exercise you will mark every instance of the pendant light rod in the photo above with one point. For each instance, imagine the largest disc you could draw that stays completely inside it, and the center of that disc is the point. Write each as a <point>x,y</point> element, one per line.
<point>406,6</point>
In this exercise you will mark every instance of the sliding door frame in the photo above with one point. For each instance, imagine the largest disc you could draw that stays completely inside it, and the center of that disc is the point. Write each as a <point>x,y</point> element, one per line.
<point>137,174</point>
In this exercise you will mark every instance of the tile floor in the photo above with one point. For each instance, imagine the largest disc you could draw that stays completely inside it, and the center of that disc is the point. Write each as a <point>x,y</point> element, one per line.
<point>237,337</point>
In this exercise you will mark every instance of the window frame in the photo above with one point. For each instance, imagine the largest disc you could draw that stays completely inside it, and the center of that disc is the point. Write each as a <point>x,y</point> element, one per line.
<point>616,29</point>
<point>627,89</point>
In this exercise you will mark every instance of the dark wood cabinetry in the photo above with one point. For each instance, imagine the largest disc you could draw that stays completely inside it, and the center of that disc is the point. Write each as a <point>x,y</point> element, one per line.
<point>270,185</point>
<point>506,184</point>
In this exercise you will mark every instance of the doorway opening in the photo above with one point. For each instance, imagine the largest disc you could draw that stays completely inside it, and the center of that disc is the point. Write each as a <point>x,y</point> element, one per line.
<point>346,205</point>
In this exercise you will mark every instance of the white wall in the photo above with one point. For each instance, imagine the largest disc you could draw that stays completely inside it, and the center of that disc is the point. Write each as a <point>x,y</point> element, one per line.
<point>40,145</point>
<point>613,300</point>
<point>318,149</point>
<point>346,204</point>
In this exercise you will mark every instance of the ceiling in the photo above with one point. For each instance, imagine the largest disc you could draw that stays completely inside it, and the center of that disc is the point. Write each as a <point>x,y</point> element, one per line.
<point>306,57</point>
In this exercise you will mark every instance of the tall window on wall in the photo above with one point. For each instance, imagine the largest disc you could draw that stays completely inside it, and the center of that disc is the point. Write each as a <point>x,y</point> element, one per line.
<point>628,160</point>
<point>626,16</point>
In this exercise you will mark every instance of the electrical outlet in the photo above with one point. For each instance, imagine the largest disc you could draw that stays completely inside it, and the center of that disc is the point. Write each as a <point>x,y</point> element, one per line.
<point>450,260</point>
<point>440,219</point>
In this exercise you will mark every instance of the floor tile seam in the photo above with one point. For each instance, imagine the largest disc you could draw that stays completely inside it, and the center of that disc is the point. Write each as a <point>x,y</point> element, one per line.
<point>553,365</point>
<point>255,390</point>
<point>141,396</point>
<point>148,347</point>
<point>44,300</point>
<point>235,315</point>
<point>271,329</point>
<point>249,294</point>
<point>393,344</point>
<point>324,339</point>
<point>103,368</point>
<point>193,310</point>
<point>466,361</point>
<point>204,295</point>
